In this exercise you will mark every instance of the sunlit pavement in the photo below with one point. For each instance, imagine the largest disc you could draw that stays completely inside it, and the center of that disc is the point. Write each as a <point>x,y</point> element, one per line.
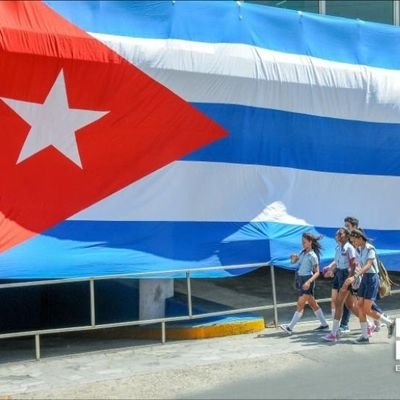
<point>267,364</point>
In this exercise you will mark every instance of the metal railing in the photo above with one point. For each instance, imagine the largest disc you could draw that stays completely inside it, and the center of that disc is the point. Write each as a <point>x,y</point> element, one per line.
<point>190,316</point>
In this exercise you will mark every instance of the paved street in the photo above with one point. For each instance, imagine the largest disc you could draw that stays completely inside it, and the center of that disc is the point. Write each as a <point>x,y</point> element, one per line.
<point>264,365</point>
<point>342,371</point>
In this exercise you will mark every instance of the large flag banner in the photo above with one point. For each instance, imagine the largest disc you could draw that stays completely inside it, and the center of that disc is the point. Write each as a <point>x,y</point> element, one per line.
<point>156,135</point>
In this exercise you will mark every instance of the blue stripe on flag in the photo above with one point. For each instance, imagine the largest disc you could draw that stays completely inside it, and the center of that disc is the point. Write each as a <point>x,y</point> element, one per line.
<point>87,248</point>
<point>339,39</point>
<point>279,138</point>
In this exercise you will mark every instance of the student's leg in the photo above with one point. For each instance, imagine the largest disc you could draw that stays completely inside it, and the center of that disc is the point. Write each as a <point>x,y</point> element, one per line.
<point>370,295</point>
<point>317,311</point>
<point>333,302</point>
<point>343,291</point>
<point>377,316</point>
<point>364,293</point>
<point>344,323</point>
<point>362,316</point>
<point>352,304</point>
<point>376,307</point>
<point>340,301</point>
<point>367,310</point>
<point>335,290</point>
<point>288,328</point>
<point>301,301</point>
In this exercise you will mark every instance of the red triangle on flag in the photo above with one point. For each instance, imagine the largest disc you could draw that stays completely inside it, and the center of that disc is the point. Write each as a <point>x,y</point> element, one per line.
<point>145,125</point>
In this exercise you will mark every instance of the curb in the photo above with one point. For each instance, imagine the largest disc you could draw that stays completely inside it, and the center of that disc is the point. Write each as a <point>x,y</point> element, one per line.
<point>202,332</point>
<point>186,332</point>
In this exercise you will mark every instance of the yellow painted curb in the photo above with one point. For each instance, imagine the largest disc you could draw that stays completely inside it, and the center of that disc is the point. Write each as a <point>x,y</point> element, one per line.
<point>153,332</point>
<point>201,332</point>
<point>185,332</point>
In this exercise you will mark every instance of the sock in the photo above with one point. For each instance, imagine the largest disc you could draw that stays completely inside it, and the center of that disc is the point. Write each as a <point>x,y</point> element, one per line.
<point>320,315</point>
<point>385,319</point>
<point>345,316</point>
<point>296,318</point>
<point>333,311</point>
<point>335,326</point>
<point>364,329</point>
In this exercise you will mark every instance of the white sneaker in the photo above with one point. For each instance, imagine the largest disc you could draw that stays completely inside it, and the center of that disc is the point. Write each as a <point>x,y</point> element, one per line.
<point>343,331</point>
<point>378,326</point>
<point>286,329</point>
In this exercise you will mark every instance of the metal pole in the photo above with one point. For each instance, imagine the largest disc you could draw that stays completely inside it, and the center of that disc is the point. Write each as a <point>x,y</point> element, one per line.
<point>37,347</point>
<point>396,12</point>
<point>322,6</point>
<point>189,294</point>
<point>163,335</point>
<point>92,305</point>
<point>274,295</point>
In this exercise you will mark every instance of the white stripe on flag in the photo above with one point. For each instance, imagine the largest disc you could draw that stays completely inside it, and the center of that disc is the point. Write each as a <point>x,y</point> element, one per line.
<point>206,191</point>
<point>247,75</point>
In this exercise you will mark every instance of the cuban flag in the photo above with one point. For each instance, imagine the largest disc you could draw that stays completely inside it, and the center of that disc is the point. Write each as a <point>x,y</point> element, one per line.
<point>158,135</point>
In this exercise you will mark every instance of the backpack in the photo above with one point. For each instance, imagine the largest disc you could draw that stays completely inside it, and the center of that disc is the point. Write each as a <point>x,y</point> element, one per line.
<point>385,283</point>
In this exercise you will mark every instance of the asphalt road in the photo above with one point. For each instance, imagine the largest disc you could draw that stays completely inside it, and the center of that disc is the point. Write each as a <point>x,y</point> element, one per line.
<point>341,371</point>
<point>252,366</point>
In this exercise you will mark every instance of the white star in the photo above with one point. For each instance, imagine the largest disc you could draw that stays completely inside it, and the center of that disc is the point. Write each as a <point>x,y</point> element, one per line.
<point>53,123</point>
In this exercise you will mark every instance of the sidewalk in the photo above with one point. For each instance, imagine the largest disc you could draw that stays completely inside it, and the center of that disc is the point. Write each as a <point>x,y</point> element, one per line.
<point>79,366</point>
<point>137,370</point>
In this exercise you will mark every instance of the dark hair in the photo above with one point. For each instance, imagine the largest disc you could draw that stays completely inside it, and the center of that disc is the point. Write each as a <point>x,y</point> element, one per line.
<point>352,220</point>
<point>359,233</point>
<point>315,245</point>
<point>343,230</point>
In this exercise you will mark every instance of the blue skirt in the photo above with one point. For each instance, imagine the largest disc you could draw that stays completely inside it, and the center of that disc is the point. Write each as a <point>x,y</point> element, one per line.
<point>369,287</point>
<point>300,281</point>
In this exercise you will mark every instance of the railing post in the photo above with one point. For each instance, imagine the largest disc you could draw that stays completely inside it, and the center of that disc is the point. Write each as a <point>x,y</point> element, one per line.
<point>37,347</point>
<point>396,12</point>
<point>163,334</point>
<point>274,295</point>
<point>322,7</point>
<point>189,294</point>
<point>92,305</point>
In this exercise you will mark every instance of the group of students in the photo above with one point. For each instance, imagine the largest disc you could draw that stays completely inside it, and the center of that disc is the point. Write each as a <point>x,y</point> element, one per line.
<point>355,260</point>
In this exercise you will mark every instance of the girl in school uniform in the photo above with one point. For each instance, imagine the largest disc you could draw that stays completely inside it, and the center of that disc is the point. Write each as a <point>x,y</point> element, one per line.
<point>353,223</point>
<point>369,286</point>
<point>344,265</point>
<point>306,274</point>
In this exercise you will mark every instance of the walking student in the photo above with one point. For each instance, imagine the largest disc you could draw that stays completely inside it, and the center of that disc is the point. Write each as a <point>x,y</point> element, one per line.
<point>374,326</point>
<point>369,286</point>
<point>306,274</point>
<point>350,223</point>
<point>344,265</point>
